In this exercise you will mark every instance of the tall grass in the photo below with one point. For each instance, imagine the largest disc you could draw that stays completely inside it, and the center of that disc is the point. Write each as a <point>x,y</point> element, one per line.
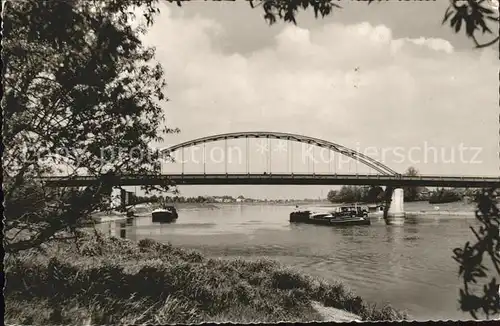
<point>108,280</point>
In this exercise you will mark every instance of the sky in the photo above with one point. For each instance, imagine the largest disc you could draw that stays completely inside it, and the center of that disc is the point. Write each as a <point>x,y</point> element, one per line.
<point>386,79</point>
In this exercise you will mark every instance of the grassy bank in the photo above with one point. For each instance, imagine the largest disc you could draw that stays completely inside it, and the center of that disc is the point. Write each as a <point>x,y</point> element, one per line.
<point>101,280</point>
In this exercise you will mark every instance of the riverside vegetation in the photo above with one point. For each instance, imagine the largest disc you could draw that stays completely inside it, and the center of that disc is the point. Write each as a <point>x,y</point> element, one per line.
<point>110,280</point>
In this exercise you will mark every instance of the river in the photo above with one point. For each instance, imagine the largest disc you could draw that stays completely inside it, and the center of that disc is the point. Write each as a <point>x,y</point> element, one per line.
<point>410,266</point>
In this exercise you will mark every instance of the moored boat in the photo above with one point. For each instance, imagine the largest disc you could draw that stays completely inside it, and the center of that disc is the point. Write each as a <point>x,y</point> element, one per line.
<point>343,215</point>
<point>166,214</point>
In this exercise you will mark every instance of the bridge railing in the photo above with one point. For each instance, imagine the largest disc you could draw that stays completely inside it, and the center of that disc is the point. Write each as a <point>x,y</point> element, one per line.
<point>300,175</point>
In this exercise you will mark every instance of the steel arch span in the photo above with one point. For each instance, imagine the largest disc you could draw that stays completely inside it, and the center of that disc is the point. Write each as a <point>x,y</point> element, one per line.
<point>368,161</point>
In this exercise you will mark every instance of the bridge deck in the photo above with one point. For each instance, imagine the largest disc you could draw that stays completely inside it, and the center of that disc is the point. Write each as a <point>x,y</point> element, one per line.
<point>281,179</point>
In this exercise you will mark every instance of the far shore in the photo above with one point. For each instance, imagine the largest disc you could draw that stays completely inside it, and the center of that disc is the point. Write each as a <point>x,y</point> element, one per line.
<point>195,205</point>
<point>255,203</point>
<point>290,203</point>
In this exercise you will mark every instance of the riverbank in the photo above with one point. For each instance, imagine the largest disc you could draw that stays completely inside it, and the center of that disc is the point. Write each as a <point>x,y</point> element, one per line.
<point>439,213</point>
<point>256,203</point>
<point>195,205</point>
<point>100,280</point>
<point>145,210</point>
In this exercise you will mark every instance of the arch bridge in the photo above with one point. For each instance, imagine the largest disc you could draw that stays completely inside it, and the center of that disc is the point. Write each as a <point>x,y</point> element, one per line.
<point>289,137</point>
<point>385,177</point>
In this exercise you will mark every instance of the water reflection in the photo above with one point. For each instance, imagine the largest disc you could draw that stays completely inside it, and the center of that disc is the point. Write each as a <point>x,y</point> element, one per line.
<point>411,220</point>
<point>411,229</point>
<point>162,222</point>
<point>123,230</point>
<point>394,234</point>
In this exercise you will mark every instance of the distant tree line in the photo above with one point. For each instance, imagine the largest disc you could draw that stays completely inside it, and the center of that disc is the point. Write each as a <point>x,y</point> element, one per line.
<point>167,199</point>
<point>351,194</point>
<point>375,194</point>
<point>182,199</point>
<point>135,200</point>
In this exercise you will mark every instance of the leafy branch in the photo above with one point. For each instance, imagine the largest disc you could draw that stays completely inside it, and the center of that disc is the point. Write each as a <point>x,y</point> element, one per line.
<point>474,15</point>
<point>473,260</point>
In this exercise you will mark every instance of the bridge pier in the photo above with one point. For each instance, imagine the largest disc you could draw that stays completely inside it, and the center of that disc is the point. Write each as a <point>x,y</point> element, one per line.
<point>394,206</point>
<point>124,198</point>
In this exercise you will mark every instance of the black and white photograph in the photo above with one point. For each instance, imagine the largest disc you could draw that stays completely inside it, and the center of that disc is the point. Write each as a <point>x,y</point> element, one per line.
<point>266,161</point>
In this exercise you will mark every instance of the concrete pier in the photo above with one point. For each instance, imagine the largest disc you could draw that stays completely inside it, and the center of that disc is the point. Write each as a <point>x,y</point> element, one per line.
<point>394,213</point>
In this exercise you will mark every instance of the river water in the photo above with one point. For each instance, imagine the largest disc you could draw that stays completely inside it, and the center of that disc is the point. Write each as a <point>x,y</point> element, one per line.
<point>409,266</point>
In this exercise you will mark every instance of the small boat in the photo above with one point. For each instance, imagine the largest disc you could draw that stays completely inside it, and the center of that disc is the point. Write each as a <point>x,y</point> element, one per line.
<point>164,215</point>
<point>343,215</point>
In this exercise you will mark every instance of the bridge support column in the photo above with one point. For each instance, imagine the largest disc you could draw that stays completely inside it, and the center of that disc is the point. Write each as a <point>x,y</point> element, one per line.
<point>124,198</point>
<point>394,206</point>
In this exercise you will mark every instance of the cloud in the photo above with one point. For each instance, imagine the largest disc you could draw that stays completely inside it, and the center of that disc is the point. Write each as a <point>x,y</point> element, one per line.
<point>345,83</point>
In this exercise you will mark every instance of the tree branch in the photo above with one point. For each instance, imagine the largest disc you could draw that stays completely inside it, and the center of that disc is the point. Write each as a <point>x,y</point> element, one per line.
<point>484,45</point>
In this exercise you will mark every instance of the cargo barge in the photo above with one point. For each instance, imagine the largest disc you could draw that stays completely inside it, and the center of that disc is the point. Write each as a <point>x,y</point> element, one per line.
<point>343,215</point>
<point>164,215</point>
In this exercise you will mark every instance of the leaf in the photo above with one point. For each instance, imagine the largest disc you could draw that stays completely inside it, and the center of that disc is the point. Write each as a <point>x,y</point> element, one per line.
<point>495,19</point>
<point>454,20</point>
<point>458,25</point>
<point>470,27</point>
<point>447,15</point>
<point>485,10</point>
